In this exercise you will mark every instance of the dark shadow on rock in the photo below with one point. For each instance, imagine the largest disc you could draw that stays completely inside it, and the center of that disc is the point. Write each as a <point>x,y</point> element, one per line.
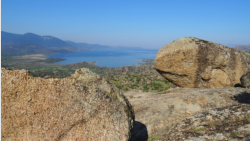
<point>243,97</point>
<point>237,85</point>
<point>139,132</point>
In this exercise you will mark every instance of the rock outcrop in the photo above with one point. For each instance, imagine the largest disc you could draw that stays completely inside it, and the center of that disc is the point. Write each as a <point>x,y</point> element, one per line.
<point>195,63</point>
<point>156,114</point>
<point>82,107</point>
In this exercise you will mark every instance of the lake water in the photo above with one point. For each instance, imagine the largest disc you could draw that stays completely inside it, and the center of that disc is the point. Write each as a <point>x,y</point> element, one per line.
<point>107,57</point>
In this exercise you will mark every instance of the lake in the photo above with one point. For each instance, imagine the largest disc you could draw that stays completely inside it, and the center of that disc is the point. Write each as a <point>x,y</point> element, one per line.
<point>107,57</point>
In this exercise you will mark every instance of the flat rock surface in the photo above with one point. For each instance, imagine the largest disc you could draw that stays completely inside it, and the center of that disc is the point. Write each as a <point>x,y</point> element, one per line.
<point>82,107</point>
<point>157,113</point>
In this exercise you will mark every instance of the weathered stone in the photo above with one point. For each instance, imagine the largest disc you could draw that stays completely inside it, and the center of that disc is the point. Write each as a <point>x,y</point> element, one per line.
<point>245,80</point>
<point>195,63</point>
<point>226,124</point>
<point>82,107</point>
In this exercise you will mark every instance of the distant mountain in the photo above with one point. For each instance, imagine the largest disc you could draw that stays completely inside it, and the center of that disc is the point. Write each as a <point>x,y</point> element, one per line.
<point>28,48</point>
<point>46,41</point>
<point>9,38</point>
<point>30,43</point>
<point>85,46</point>
<point>232,45</point>
<point>244,47</point>
<point>121,47</point>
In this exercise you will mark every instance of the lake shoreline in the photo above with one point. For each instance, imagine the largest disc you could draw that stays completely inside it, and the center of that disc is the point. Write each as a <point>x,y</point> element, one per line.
<point>100,57</point>
<point>108,57</point>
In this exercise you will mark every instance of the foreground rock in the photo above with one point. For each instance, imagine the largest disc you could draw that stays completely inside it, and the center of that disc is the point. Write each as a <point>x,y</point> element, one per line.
<point>195,63</point>
<point>157,113</point>
<point>81,107</point>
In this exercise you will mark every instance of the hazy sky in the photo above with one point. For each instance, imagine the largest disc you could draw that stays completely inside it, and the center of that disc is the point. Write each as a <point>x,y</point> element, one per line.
<point>132,23</point>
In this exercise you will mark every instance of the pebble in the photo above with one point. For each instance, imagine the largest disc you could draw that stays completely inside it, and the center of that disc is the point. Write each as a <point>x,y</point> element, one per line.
<point>209,118</point>
<point>237,113</point>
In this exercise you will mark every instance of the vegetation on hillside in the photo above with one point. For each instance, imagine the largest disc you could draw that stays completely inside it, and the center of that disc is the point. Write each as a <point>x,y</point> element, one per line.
<point>143,77</point>
<point>147,81</point>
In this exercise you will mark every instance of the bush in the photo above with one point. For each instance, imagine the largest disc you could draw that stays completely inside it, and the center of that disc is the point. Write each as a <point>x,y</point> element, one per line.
<point>119,87</point>
<point>138,79</point>
<point>125,88</point>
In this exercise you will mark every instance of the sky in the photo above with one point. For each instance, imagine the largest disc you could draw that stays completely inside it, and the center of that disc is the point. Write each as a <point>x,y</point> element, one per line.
<point>130,23</point>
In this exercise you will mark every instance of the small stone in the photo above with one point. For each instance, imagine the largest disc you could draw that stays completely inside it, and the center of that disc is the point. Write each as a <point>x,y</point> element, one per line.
<point>192,117</point>
<point>209,118</point>
<point>237,113</point>
<point>219,136</point>
<point>233,140</point>
<point>222,117</point>
<point>212,112</point>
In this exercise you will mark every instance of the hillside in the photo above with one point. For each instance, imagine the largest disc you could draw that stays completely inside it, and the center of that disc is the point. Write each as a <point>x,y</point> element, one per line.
<point>46,41</point>
<point>28,48</point>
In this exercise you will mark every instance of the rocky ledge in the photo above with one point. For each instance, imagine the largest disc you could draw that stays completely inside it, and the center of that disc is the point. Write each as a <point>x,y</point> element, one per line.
<point>160,115</point>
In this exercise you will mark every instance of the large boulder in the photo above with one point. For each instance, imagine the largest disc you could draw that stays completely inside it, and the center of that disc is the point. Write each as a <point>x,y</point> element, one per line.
<point>81,107</point>
<point>195,63</point>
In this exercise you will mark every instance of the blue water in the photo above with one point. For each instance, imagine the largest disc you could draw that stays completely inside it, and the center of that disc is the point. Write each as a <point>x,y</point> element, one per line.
<point>107,57</point>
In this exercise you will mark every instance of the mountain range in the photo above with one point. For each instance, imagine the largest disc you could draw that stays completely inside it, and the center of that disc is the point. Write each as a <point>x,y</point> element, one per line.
<point>244,47</point>
<point>30,43</point>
